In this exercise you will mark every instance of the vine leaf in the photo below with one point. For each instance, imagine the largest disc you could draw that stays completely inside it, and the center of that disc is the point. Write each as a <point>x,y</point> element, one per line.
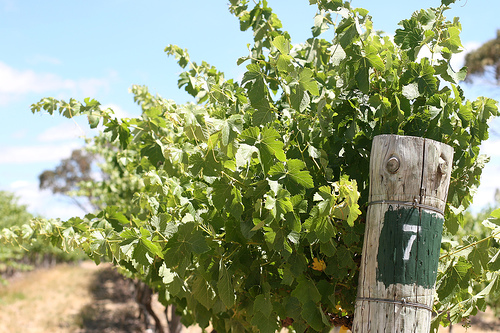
<point>225,287</point>
<point>263,323</point>
<point>202,292</point>
<point>282,44</point>
<point>313,315</point>
<point>262,303</point>
<point>306,291</point>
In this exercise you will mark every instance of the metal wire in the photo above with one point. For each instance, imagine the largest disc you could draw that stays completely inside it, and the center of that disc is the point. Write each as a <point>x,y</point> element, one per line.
<point>413,204</point>
<point>403,302</point>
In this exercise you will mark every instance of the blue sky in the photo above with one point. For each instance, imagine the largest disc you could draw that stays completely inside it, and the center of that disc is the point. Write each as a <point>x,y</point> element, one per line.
<point>99,48</point>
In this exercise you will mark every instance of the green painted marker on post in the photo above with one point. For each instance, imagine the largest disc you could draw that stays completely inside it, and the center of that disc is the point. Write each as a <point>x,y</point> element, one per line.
<point>409,246</point>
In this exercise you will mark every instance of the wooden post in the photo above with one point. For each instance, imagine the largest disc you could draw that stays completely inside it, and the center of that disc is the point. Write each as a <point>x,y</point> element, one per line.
<point>409,180</point>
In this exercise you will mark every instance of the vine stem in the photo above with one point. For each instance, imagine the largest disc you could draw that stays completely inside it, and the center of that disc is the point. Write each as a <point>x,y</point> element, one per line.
<point>234,179</point>
<point>470,245</point>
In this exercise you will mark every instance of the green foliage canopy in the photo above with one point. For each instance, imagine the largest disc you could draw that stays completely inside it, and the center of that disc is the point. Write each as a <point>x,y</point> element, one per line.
<point>246,209</point>
<point>11,212</point>
<point>21,256</point>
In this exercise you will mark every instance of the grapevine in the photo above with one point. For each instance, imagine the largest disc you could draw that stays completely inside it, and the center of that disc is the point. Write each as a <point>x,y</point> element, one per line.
<point>246,208</point>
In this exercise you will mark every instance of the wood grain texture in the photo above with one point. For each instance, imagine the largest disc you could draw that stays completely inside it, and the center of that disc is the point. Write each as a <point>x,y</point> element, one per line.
<point>393,284</point>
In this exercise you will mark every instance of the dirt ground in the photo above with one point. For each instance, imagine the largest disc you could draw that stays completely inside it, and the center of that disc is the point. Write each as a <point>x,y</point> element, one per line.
<point>82,298</point>
<point>64,299</point>
<point>86,298</point>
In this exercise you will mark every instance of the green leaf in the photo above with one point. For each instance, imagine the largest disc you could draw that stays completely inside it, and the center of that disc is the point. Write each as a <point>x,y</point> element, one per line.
<point>363,76</point>
<point>196,162</point>
<point>479,257</point>
<point>312,315</point>
<point>124,135</point>
<point>453,42</point>
<point>263,304</point>
<point>320,24</point>
<point>324,229</point>
<point>299,176</point>
<point>410,38</point>
<point>244,154</point>
<point>221,193</point>
<point>258,94</point>
<point>333,5</point>
<point>485,108</point>
<point>494,263</point>
<point>282,44</point>
<point>284,63</point>
<point>250,135</point>
<point>264,113</point>
<point>186,241</point>
<point>154,153</point>
<point>231,127</point>
<point>410,91</point>
<point>263,323</point>
<point>279,205</point>
<point>271,143</point>
<point>93,120</point>
<point>277,171</point>
<point>270,147</point>
<point>306,291</point>
<point>427,83</point>
<point>116,218</point>
<point>235,207</point>
<point>147,248</point>
<point>347,32</point>
<point>446,71</point>
<point>307,81</point>
<point>299,98</point>
<point>495,213</point>
<point>373,57</point>
<point>225,286</point>
<point>453,277</point>
<point>294,172</point>
<point>203,292</point>
<point>166,274</point>
<point>139,247</point>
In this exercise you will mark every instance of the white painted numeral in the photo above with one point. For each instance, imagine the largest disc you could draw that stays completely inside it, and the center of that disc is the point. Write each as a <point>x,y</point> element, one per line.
<point>410,228</point>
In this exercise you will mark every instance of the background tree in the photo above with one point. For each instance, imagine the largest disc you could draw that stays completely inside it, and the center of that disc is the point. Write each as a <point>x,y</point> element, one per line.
<point>486,59</point>
<point>247,207</point>
<point>69,174</point>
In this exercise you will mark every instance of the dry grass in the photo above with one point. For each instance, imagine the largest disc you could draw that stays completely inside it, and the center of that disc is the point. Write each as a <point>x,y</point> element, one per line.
<point>72,299</point>
<point>47,300</point>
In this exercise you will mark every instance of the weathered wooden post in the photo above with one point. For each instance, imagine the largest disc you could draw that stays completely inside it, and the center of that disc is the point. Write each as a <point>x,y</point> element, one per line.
<point>409,180</point>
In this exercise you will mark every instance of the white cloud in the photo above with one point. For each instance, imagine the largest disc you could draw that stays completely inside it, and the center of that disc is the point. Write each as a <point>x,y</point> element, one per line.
<point>490,148</point>
<point>15,83</point>
<point>118,110</point>
<point>490,177</point>
<point>490,182</point>
<point>458,60</point>
<point>62,132</point>
<point>37,153</point>
<point>44,203</point>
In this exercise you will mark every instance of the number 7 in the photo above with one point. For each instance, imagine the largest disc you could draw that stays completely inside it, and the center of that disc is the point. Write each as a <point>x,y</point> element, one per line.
<point>410,228</point>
